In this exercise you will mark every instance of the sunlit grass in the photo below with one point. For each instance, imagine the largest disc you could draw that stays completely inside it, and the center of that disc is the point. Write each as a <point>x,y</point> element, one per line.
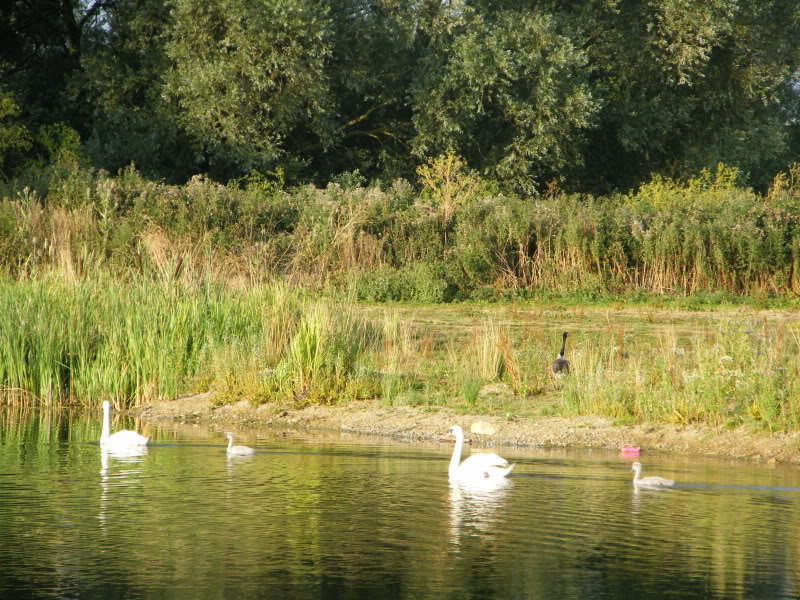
<point>76,341</point>
<point>73,340</point>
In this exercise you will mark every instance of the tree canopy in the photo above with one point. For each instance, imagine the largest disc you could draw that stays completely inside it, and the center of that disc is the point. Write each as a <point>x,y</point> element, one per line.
<point>594,96</point>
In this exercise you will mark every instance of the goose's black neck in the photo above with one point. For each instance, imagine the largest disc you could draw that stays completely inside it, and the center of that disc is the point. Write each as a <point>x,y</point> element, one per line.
<point>563,344</point>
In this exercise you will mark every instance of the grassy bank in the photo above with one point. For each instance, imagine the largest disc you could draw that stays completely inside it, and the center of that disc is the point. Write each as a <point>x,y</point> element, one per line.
<point>123,288</point>
<point>75,341</point>
<point>449,236</point>
<point>72,340</point>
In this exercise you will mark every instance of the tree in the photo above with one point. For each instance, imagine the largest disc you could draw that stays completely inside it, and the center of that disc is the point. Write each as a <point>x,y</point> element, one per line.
<point>505,88</point>
<point>684,85</point>
<point>14,136</point>
<point>248,74</point>
<point>122,78</point>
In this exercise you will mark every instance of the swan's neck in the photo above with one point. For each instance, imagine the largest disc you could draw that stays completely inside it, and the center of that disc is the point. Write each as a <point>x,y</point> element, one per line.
<point>230,442</point>
<point>636,474</point>
<point>106,433</point>
<point>563,347</point>
<point>455,460</point>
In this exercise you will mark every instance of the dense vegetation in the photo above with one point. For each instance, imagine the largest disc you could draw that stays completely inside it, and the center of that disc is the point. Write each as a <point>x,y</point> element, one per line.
<point>455,239</point>
<point>66,340</point>
<point>164,162</point>
<point>596,96</point>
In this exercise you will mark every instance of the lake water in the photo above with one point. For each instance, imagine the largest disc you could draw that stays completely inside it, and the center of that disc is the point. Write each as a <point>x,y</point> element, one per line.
<point>324,517</point>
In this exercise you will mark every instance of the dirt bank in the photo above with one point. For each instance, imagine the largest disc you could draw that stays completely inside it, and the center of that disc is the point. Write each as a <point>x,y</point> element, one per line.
<point>424,424</point>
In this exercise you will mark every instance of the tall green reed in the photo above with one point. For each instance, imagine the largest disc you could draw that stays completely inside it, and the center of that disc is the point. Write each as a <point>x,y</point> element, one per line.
<point>65,340</point>
<point>71,341</point>
<point>328,357</point>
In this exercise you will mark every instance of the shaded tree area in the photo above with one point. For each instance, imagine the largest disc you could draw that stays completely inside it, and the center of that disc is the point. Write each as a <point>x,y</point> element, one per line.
<point>595,96</point>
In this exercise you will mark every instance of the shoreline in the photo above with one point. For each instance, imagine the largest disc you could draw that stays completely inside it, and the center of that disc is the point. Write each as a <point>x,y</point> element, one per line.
<point>421,424</point>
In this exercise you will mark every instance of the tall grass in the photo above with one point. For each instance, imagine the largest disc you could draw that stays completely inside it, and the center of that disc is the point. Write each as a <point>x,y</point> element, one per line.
<point>455,238</point>
<point>67,341</point>
<point>727,375</point>
<point>75,340</point>
<point>324,357</point>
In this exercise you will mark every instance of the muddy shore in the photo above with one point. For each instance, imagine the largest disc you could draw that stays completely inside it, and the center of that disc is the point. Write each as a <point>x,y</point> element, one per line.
<point>424,424</point>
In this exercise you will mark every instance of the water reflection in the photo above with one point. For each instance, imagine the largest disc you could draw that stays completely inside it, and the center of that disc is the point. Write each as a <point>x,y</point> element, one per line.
<point>640,492</point>
<point>476,503</point>
<point>324,518</point>
<point>130,460</point>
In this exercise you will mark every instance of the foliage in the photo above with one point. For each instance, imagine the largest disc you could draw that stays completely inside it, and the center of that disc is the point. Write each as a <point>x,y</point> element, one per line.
<point>248,74</point>
<point>14,136</point>
<point>148,339</point>
<point>728,375</point>
<point>596,97</point>
<point>504,88</point>
<point>705,234</point>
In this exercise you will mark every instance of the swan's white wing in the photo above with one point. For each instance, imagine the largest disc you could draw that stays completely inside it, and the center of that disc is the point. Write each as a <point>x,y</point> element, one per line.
<point>484,460</point>
<point>126,437</point>
<point>656,482</point>
<point>484,465</point>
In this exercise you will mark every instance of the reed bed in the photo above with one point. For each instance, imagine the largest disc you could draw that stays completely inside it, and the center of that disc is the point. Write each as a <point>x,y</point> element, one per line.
<point>726,375</point>
<point>76,341</point>
<point>127,289</point>
<point>411,241</point>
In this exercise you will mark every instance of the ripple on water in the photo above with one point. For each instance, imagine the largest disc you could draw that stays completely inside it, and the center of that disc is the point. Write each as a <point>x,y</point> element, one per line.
<point>324,520</point>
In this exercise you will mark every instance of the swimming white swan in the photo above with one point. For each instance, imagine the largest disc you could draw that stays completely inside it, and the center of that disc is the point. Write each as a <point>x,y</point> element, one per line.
<point>478,465</point>
<point>649,481</point>
<point>238,450</point>
<point>120,439</point>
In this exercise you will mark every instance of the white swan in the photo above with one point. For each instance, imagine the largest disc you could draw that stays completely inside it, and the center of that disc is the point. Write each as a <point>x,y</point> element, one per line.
<point>649,481</point>
<point>120,439</point>
<point>478,465</point>
<point>238,450</point>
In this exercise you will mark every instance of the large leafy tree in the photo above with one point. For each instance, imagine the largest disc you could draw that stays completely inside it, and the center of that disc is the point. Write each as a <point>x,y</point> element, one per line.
<point>504,87</point>
<point>249,74</point>
<point>687,84</point>
<point>122,77</point>
<point>371,67</point>
<point>597,95</point>
<point>42,43</point>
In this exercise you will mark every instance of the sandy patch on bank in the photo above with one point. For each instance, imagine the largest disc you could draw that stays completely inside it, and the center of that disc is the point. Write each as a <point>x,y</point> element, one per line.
<point>424,424</point>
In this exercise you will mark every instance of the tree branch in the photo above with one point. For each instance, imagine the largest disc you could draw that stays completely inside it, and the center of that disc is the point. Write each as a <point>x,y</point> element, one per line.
<point>93,10</point>
<point>360,118</point>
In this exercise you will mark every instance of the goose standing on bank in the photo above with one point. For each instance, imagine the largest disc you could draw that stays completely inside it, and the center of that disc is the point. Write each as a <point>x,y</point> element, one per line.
<point>478,466</point>
<point>121,439</point>
<point>561,364</point>
<point>238,450</point>
<point>649,481</point>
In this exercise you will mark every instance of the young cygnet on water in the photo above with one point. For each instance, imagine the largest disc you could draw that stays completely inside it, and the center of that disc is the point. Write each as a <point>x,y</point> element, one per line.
<point>649,481</point>
<point>237,450</point>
